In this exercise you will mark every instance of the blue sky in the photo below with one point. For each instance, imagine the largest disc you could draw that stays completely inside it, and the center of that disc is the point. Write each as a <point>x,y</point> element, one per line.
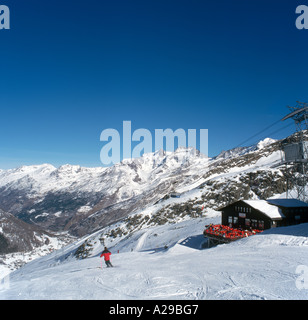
<point>70,69</point>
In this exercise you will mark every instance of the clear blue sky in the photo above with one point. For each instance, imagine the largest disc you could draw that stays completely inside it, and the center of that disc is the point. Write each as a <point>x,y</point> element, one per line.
<point>70,69</point>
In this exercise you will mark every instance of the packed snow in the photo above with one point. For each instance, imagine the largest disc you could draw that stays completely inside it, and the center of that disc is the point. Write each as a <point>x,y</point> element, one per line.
<point>171,262</point>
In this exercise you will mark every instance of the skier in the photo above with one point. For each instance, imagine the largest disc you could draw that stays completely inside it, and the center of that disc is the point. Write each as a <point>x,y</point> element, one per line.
<point>106,254</point>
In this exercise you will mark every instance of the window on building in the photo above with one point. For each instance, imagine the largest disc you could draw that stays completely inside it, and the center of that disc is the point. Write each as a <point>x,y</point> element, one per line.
<point>230,220</point>
<point>235,220</point>
<point>247,222</point>
<point>254,223</point>
<point>261,224</point>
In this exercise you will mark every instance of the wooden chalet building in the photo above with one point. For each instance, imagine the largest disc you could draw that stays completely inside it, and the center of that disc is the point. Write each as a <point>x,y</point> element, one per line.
<point>264,214</point>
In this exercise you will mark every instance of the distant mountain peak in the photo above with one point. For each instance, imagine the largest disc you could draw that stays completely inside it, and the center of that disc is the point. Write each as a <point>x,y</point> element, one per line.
<point>267,141</point>
<point>239,151</point>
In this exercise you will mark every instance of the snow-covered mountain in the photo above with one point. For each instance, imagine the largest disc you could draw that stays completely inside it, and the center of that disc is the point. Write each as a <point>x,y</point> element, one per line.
<point>239,151</point>
<point>21,242</point>
<point>18,236</point>
<point>80,200</point>
<point>76,199</point>
<point>157,204</point>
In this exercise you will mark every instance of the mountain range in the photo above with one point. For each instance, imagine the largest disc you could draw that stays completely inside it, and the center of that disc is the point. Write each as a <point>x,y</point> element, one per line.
<point>77,201</point>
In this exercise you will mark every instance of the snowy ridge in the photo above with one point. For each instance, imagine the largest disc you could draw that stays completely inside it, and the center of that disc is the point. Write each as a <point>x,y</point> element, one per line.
<point>80,199</point>
<point>239,151</point>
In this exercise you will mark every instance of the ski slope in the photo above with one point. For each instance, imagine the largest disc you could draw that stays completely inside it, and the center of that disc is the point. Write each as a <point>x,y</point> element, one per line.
<point>168,262</point>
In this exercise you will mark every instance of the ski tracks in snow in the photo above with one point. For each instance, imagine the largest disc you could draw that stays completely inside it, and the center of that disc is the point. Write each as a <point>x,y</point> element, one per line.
<point>149,285</point>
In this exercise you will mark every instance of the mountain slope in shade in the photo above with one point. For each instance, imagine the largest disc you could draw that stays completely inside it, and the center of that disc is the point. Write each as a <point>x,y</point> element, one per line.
<point>21,242</point>
<point>11,230</point>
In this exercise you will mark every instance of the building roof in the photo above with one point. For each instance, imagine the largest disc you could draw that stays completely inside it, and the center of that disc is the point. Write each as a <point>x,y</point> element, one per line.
<point>287,203</point>
<point>272,211</point>
<point>271,207</point>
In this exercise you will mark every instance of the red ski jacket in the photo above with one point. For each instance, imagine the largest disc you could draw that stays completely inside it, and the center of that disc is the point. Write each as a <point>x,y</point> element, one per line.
<point>106,254</point>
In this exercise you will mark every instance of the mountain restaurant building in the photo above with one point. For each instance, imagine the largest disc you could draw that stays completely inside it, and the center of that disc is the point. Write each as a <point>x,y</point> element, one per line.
<point>264,214</point>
